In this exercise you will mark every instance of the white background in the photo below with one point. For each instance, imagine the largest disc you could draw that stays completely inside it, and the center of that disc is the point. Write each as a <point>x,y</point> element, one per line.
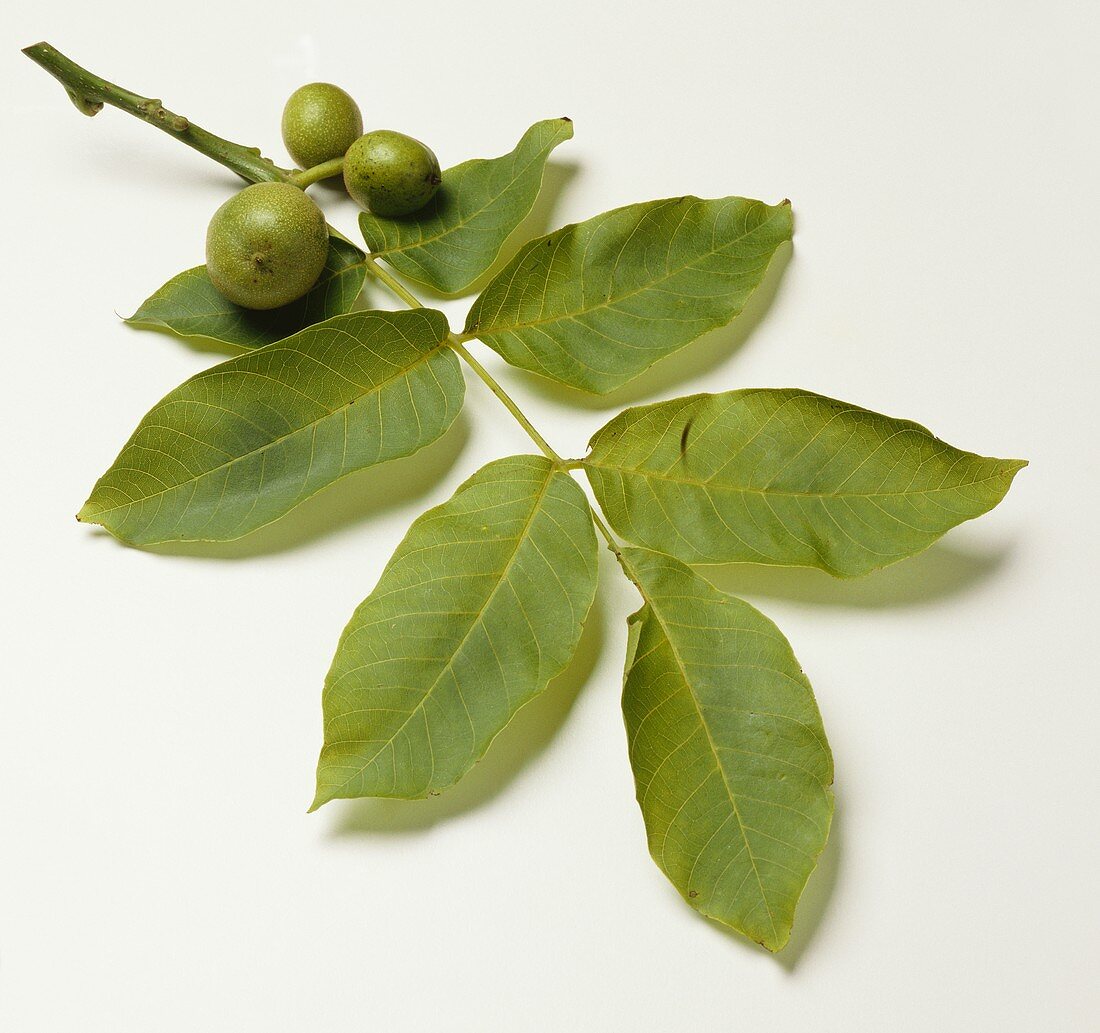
<point>161,709</point>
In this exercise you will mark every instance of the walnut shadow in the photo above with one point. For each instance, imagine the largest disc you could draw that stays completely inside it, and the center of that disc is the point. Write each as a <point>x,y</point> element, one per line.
<point>517,746</point>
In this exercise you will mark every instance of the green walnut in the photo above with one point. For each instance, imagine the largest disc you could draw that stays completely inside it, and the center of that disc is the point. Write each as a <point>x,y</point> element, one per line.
<point>266,246</point>
<point>320,122</point>
<point>390,174</point>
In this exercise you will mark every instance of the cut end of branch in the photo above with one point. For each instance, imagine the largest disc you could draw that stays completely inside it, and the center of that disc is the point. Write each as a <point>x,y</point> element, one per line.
<point>48,58</point>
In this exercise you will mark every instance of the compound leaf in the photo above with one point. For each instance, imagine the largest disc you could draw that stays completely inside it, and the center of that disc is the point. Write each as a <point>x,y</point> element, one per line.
<point>730,761</point>
<point>481,605</point>
<point>449,244</point>
<point>191,306</point>
<point>594,304</point>
<point>242,443</point>
<point>785,477</point>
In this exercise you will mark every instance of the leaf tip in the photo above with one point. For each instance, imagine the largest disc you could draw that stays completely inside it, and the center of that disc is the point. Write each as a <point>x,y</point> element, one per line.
<point>565,127</point>
<point>772,938</point>
<point>322,796</point>
<point>1009,469</point>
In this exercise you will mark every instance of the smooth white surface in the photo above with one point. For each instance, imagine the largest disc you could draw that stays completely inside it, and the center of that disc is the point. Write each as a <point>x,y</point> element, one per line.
<point>160,714</point>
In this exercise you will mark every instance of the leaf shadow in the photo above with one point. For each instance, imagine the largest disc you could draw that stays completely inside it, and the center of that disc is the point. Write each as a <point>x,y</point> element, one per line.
<point>941,571</point>
<point>707,353</point>
<point>540,220</point>
<point>350,501</point>
<point>817,896</point>
<point>521,741</point>
<point>202,345</point>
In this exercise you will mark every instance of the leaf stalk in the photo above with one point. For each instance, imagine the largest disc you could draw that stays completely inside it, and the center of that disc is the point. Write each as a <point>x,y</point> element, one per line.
<point>491,383</point>
<point>384,276</point>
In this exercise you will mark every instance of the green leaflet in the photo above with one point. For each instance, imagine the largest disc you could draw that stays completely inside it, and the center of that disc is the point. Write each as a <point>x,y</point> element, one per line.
<point>594,304</point>
<point>730,761</point>
<point>240,444</point>
<point>785,477</point>
<point>481,605</point>
<point>449,244</point>
<point>190,305</point>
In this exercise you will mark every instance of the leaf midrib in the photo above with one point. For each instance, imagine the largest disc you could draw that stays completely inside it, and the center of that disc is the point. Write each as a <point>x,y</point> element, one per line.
<point>713,748</point>
<point>564,316</point>
<point>374,389</point>
<point>707,484</point>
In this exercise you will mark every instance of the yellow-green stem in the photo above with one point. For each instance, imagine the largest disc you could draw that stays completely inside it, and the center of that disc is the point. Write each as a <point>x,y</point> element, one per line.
<point>490,382</point>
<point>457,343</point>
<point>382,275</point>
<point>332,167</point>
